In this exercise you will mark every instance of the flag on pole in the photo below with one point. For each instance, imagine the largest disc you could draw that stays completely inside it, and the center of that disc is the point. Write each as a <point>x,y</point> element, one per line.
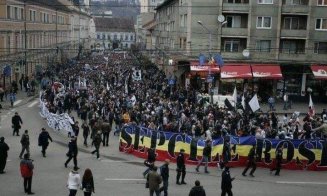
<point>219,60</point>
<point>254,103</point>
<point>243,101</point>
<point>311,107</point>
<point>107,86</point>
<point>235,96</point>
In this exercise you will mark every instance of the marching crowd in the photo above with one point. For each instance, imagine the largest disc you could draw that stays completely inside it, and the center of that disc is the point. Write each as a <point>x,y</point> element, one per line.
<point>108,91</point>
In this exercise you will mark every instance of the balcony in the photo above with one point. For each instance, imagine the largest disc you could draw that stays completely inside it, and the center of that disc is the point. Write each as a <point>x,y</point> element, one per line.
<point>293,33</point>
<point>241,32</point>
<point>239,6</point>
<point>295,7</point>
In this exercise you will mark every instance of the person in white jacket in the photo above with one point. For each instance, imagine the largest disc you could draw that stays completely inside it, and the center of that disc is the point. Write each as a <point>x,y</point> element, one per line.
<point>74,182</point>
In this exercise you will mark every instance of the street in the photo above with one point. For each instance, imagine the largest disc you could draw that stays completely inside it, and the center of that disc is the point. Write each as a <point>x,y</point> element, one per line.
<point>120,174</point>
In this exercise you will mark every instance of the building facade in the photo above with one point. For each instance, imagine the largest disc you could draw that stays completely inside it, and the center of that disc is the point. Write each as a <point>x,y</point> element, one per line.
<point>114,33</point>
<point>36,34</point>
<point>288,33</point>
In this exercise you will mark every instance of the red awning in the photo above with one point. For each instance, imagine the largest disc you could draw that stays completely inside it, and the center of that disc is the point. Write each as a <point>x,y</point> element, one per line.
<point>230,71</point>
<point>205,68</point>
<point>319,71</point>
<point>266,71</point>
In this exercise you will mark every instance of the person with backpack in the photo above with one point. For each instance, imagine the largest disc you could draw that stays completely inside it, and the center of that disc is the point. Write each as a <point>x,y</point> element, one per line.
<point>44,138</point>
<point>88,183</point>
<point>26,170</point>
<point>25,142</point>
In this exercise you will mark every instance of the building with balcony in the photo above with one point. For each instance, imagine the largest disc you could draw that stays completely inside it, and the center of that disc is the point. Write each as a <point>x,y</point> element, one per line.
<point>114,33</point>
<point>290,34</point>
<point>36,34</point>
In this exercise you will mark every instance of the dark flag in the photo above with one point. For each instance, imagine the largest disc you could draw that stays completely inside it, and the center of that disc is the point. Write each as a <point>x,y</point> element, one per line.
<point>229,105</point>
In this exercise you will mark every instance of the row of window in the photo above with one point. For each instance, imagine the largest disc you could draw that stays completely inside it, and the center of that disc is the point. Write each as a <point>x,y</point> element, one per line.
<point>115,37</point>
<point>17,13</point>
<point>265,22</point>
<point>291,2</point>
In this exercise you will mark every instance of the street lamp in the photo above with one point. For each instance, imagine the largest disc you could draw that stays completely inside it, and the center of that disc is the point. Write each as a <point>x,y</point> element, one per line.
<point>210,47</point>
<point>210,35</point>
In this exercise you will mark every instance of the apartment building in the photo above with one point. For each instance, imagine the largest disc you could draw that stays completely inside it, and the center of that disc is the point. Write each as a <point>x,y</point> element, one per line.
<point>288,34</point>
<point>114,33</point>
<point>40,33</point>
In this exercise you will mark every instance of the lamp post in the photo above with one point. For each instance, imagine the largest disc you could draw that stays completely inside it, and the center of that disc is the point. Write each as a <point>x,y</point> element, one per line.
<point>210,47</point>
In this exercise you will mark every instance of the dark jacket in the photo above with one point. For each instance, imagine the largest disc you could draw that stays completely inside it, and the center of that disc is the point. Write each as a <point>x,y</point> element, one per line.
<point>25,140</point>
<point>180,160</point>
<point>154,180</point>
<point>16,120</point>
<point>3,150</point>
<point>97,140</point>
<point>164,172</point>
<point>72,148</point>
<point>151,155</point>
<point>44,138</point>
<point>226,181</point>
<point>251,155</point>
<point>88,185</point>
<point>197,191</point>
<point>207,151</point>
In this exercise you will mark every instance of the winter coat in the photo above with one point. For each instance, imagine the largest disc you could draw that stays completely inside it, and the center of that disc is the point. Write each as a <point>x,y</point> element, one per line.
<point>3,150</point>
<point>44,138</point>
<point>16,121</point>
<point>197,191</point>
<point>25,140</point>
<point>154,180</point>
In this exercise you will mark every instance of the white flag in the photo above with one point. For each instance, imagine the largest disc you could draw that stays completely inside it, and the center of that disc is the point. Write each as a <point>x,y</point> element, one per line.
<point>311,107</point>
<point>79,81</point>
<point>243,102</point>
<point>235,96</point>
<point>254,103</point>
<point>310,102</point>
<point>84,84</point>
<point>107,86</point>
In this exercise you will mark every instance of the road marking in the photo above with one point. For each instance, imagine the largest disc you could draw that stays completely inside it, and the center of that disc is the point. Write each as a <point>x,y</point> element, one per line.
<point>17,102</point>
<point>286,182</point>
<point>124,179</point>
<point>112,161</point>
<point>32,104</point>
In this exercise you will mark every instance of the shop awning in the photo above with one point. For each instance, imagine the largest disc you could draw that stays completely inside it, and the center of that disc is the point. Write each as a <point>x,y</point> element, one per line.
<point>231,71</point>
<point>205,68</point>
<point>319,71</point>
<point>266,71</point>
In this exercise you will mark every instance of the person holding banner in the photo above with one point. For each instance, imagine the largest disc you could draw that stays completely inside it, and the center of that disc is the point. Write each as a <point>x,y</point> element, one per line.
<point>251,162</point>
<point>181,169</point>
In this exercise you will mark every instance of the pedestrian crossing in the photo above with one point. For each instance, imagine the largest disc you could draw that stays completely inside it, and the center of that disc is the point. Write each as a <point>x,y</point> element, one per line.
<point>33,104</point>
<point>17,102</point>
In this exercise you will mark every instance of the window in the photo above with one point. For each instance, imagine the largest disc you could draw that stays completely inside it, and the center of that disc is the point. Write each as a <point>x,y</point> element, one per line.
<point>115,36</point>
<point>233,21</point>
<point>321,24</point>
<point>108,36</point>
<point>132,38</point>
<point>263,22</point>
<point>231,46</point>
<point>320,48</point>
<point>32,15</point>
<point>98,36</point>
<point>263,45</point>
<point>322,2</point>
<point>291,23</point>
<point>8,12</point>
<point>236,1</point>
<point>103,36</point>
<point>265,1</point>
<point>293,46</point>
<point>126,37</point>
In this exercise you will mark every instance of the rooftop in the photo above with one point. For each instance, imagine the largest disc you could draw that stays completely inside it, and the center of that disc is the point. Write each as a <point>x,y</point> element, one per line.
<point>114,24</point>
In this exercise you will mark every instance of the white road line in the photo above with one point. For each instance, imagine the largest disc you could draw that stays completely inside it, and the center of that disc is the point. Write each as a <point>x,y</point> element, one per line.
<point>112,161</point>
<point>286,182</point>
<point>124,179</point>
<point>32,104</point>
<point>17,102</point>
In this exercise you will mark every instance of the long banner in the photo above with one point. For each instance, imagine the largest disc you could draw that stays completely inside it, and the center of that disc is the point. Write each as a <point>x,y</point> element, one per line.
<point>297,154</point>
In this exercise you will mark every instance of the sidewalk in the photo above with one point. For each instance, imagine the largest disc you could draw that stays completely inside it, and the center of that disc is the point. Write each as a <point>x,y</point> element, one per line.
<point>301,107</point>
<point>21,99</point>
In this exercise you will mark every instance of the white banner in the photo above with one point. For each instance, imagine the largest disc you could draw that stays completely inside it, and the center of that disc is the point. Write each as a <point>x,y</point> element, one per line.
<point>254,103</point>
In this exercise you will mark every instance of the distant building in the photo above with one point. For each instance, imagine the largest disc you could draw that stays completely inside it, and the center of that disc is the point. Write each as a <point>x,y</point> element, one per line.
<point>113,33</point>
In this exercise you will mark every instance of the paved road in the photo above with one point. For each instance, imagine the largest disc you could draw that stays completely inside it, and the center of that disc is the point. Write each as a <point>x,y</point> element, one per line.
<point>119,174</point>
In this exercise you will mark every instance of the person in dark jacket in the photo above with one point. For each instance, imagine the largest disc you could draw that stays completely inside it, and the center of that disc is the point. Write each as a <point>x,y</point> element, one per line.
<point>16,121</point>
<point>279,159</point>
<point>26,168</point>
<point>3,154</point>
<point>205,157</point>
<point>164,172</point>
<point>88,183</point>
<point>72,152</point>
<point>226,182</point>
<point>97,142</point>
<point>86,132</point>
<point>251,162</point>
<point>197,190</point>
<point>106,129</point>
<point>150,161</point>
<point>25,142</point>
<point>44,138</point>
<point>181,170</point>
